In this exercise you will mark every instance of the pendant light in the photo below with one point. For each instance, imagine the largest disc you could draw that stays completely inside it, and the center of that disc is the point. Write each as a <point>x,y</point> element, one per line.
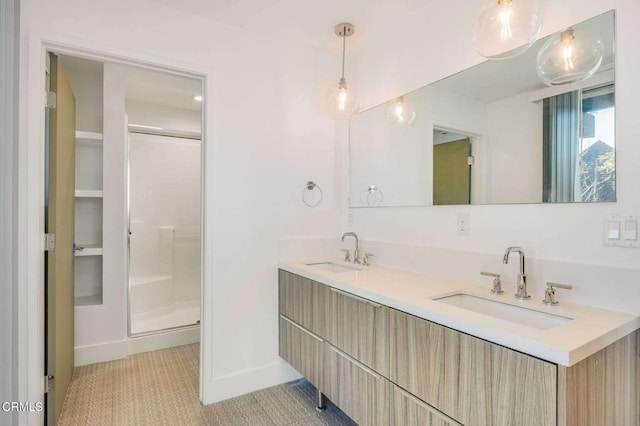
<point>342,98</point>
<point>401,113</point>
<point>569,57</point>
<point>506,28</point>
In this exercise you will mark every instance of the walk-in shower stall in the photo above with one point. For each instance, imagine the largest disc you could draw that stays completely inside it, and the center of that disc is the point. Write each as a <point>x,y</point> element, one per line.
<point>165,242</point>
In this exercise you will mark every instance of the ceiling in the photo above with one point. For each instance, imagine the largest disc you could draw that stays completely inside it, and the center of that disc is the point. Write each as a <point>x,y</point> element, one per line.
<point>308,22</point>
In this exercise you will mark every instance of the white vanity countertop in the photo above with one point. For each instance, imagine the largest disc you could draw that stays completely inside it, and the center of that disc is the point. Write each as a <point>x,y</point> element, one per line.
<point>566,344</point>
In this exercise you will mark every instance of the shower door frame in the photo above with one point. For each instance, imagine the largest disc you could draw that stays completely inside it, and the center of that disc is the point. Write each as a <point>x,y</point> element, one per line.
<point>169,134</point>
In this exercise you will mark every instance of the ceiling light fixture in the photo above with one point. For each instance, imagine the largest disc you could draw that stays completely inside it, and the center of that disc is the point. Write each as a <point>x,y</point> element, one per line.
<point>197,98</point>
<point>342,99</point>
<point>506,28</point>
<point>569,58</point>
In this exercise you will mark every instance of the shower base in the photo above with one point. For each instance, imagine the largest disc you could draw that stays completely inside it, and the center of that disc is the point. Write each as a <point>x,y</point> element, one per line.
<point>172,316</point>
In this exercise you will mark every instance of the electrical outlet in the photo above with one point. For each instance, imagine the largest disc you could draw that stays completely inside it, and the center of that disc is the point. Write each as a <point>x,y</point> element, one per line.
<point>462,224</point>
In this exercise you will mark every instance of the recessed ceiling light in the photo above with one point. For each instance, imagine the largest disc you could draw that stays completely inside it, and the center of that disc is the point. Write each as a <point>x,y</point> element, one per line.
<point>197,98</point>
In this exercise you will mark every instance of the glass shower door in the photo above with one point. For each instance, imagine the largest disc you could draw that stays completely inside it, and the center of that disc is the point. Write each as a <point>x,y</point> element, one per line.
<point>164,248</point>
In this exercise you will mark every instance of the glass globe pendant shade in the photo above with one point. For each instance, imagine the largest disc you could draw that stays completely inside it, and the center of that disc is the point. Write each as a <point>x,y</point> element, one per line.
<point>401,113</point>
<point>568,58</point>
<point>506,28</point>
<point>342,101</point>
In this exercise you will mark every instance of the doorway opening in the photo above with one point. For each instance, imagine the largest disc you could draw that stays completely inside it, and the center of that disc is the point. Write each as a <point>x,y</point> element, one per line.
<point>452,162</point>
<point>165,156</point>
<point>123,214</point>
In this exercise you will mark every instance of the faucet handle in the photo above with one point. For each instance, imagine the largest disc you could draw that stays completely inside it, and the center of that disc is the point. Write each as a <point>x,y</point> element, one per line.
<point>550,293</point>
<point>497,282</point>
<point>347,255</point>
<point>366,259</point>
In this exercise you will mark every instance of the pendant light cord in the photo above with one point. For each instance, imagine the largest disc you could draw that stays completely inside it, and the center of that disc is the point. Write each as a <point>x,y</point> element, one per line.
<point>344,41</point>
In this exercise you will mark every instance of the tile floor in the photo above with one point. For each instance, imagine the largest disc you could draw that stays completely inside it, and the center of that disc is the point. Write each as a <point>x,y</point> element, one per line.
<point>161,388</point>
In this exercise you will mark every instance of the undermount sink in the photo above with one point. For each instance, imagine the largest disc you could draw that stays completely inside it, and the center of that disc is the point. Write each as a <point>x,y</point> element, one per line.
<point>335,266</point>
<point>505,311</point>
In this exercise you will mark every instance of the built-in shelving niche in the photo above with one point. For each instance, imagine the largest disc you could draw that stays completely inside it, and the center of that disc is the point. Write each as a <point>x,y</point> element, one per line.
<point>88,219</point>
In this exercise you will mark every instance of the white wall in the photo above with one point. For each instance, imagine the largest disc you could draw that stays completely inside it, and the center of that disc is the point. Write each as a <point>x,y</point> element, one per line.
<point>266,138</point>
<point>560,232</point>
<point>86,83</point>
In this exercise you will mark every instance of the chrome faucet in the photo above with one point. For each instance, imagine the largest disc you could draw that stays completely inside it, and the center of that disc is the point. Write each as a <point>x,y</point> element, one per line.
<point>521,292</point>
<point>356,252</point>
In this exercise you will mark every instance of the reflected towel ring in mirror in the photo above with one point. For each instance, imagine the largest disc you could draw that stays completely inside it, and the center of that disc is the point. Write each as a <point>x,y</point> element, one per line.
<point>374,196</point>
<point>310,197</point>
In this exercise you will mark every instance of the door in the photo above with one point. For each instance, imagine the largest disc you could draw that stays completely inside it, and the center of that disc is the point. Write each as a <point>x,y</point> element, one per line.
<point>452,172</point>
<point>59,221</point>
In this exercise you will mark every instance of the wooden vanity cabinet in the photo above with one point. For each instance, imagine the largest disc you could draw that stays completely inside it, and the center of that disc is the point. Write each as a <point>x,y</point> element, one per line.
<point>603,389</point>
<point>303,350</point>
<point>470,380</point>
<point>363,394</point>
<point>407,410</point>
<point>382,366</point>
<point>304,302</point>
<point>360,328</point>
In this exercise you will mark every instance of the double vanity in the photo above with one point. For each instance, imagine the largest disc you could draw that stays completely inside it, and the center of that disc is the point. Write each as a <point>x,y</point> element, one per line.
<point>393,347</point>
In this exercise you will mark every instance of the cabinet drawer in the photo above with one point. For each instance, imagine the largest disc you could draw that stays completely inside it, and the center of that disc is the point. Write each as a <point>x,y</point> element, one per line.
<point>407,410</point>
<point>305,302</point>
<point>303,350</point>
<point>360,328</point>
<point>359,391</point>
<point>470,380</point>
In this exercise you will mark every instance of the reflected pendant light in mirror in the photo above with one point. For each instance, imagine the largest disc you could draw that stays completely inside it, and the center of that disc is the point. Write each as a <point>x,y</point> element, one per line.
<point>342,97</point>
<point>506,28</point>
<point>569,57</point>
<point>401,113</point>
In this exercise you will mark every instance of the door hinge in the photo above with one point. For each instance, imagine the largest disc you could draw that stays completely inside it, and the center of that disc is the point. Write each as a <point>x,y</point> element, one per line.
<point>48,383</point>
<point>51,100</point>
<point>471,160</point>
<point>49,242</point>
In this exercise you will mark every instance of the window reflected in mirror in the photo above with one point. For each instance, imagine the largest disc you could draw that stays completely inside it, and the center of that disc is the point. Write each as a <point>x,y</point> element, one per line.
<point>579,146</point>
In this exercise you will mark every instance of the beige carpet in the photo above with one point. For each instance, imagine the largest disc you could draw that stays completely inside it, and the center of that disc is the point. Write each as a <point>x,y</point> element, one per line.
<point>161,388</point>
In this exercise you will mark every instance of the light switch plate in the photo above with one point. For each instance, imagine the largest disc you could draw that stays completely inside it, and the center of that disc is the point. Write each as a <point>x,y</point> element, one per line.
<point>621,231</point>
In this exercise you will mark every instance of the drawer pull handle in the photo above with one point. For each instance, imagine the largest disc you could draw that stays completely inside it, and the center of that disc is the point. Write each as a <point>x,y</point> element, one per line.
<point>356,363</point>
<point>304,330</point>
<point>427,407</point>
<point>353,296</point>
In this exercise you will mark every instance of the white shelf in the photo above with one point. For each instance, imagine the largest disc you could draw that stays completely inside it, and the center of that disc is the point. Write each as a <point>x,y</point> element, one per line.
<point>88,193</point>
<point>90,300</point>
<point>89,250</point>
<point>91,136</point>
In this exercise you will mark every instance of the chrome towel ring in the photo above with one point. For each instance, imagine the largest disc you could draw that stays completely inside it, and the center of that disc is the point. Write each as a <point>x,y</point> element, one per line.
<point>311,197</point>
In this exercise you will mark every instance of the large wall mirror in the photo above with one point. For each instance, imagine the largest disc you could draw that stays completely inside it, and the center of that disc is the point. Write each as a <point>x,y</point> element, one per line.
<point>496,133</point>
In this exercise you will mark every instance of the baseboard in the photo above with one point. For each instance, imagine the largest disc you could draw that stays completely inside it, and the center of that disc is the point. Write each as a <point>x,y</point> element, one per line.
<point>247,381</point>
<point>163,340</point>
<point>109,351</point>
